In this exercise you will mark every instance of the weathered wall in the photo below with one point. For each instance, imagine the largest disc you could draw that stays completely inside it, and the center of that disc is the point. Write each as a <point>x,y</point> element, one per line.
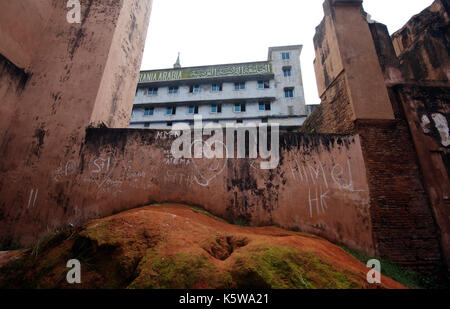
<point>390,64</point>
<point>118,83</point>
<point>414,193</point>
<point>12,82</point>
<point>319,187</point>
<point>427,111</point>
<point>381,189</point>
<point>423,45</point>
<point>347,45</point>
<point>54,174</point>
<point>404,228</point>
<point>22,23</point>
<point>349,76</point>
<point>73,78</point>
<point>335,114</point>
<point>403,221</point>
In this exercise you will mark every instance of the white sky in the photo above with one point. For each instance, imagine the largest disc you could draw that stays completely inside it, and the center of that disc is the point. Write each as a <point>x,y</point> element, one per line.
<point>231,31</point>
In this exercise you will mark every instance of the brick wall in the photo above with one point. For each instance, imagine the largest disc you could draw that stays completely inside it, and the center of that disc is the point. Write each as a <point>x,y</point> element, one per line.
<point>403,225</point>
<point>335,114</point>
<point>426,108</point>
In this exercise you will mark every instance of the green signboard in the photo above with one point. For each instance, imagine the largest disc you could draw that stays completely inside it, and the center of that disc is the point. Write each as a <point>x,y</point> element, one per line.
<point>207,72</point>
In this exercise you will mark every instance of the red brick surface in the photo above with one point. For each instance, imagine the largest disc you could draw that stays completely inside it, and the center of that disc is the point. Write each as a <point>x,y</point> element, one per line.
<point>335,114</point>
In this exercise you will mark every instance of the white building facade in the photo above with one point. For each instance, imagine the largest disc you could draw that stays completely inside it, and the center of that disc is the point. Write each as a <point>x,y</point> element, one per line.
<point>258,92</point>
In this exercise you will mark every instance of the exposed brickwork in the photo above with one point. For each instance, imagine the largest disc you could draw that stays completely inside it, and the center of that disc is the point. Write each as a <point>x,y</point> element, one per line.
<point>364,190</point>
<point>403,225</point>
<point>428,115</point>
<point>335,113</point>
<point>423,49</point>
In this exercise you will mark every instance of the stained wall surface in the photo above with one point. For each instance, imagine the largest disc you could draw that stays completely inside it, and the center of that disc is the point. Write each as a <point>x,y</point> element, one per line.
<point>375,187</point>
<point>71,81</point>
<point>319,186</point>
<point>407,224</point>
<point>84,76</point>
<point>422,49</point>
<point>22,23</point>
<point>422,45</point>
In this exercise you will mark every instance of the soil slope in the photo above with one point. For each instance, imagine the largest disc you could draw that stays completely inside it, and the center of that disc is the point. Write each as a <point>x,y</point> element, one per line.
<point>173,246</point>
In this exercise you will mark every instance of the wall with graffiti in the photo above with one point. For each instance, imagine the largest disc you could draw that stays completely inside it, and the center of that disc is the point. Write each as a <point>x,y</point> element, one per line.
<point>318,186</point>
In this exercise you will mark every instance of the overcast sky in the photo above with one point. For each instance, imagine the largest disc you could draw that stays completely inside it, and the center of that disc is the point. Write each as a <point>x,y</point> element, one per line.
<point>230,31</point>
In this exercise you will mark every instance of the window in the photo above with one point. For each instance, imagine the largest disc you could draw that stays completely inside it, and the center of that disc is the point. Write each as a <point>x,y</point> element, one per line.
<point>239,86</point>
<point>193,109</point>
<point>173,90</point>
<point>194,89</point>
<point>239,121</point>
<point>263,106</point>
<point>263,84</point>
<point>149,111</point>
<point>169,124</point>
<point>285,56</point>
<point>287,71</point>
<point>216,87</point>
<point>216,108</point>
<point>171,110</point>
<point>288,92</point>
<point>265,120</point>
<point>147,125</point>
<point>152,91</point>
<point>239,107</point>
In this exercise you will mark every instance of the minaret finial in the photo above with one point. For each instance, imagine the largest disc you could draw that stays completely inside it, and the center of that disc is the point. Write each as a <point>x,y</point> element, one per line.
<point>177,64</point>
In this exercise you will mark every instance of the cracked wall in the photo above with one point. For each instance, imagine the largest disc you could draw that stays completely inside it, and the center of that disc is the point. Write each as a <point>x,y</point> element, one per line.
<point>407,204</point>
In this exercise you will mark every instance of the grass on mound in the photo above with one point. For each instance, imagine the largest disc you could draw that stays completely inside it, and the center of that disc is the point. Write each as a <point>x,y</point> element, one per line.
<point>179,271</point>
<point>287,268</point>
<point>407,277</point>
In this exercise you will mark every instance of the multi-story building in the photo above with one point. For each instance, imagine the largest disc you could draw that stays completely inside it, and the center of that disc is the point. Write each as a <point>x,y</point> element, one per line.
<point>266,91</point>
